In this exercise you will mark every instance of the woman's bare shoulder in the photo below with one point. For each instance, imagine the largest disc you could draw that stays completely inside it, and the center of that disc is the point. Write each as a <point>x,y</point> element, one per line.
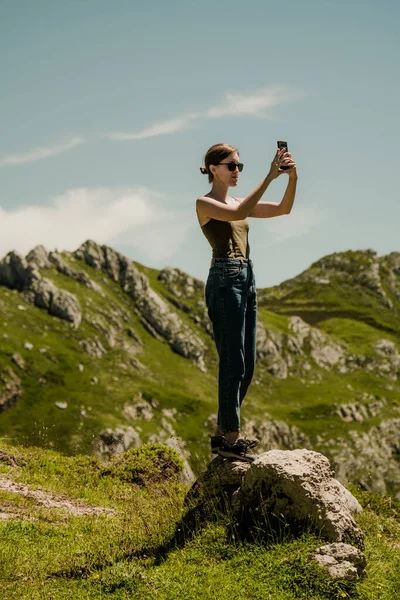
<point>210,208</point>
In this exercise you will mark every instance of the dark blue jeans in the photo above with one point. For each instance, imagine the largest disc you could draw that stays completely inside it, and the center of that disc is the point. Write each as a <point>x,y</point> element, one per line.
<point>231,300</point>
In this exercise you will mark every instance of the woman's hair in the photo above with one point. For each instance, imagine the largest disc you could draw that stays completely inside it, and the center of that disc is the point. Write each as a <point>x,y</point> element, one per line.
<point>215,155</point>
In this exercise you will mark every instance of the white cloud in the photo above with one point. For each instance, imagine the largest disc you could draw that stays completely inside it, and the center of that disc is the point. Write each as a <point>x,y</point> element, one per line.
<point>254,104</point>
<point>171,126</point>
<point>39,153</point>
<point>136,217</point>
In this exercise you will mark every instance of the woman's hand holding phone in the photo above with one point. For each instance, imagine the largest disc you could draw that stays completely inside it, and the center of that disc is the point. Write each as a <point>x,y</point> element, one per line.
<point>282,158</point>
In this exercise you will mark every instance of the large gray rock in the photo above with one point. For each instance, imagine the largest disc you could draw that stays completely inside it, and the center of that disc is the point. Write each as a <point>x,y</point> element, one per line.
<point>297,486</point>
<point>17,273</point>
<point>38,258</point>
<point>59,303</point>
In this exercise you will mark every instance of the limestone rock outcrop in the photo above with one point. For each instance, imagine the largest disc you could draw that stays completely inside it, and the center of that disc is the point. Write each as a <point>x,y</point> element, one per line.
<point>290,354</point>
<point>183,287</point>
<point>40,258</point>
<point>369,458</point>
<point>153,309</point>
<point>17,273</point>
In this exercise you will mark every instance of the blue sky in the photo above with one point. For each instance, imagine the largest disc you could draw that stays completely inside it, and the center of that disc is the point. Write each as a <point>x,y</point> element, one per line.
<point>107,110</point>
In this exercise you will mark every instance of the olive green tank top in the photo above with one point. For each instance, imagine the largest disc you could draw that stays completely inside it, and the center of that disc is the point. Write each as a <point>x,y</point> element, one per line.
<point>228,239</point>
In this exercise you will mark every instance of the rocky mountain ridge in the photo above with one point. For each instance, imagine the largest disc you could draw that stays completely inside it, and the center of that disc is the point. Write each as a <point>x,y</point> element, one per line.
<point>298,340</point>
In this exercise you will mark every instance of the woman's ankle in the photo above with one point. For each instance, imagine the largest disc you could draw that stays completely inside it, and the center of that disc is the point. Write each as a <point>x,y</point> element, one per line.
<point>232,436</point>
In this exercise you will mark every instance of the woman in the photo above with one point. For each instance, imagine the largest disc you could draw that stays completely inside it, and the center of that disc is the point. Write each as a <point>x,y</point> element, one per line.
<point>230,292</point>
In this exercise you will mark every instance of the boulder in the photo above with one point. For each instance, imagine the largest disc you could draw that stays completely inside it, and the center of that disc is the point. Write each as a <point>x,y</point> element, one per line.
<point>342,561</point>
<point>294,487</point>
<point>38,258</point>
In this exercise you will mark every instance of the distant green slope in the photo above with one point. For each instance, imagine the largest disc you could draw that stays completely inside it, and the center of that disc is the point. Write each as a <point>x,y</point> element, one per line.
<point>355,308</point>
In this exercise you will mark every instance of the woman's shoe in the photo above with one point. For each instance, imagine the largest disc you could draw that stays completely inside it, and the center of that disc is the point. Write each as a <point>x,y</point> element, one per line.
<point>241,449</point>
<point>215,441</point>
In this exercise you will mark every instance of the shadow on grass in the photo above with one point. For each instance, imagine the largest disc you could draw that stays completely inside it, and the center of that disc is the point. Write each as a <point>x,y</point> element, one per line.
<point>253,525</point>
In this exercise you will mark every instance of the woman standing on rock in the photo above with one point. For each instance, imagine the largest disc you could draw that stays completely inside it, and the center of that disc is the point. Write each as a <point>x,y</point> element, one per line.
<point>230,292</point>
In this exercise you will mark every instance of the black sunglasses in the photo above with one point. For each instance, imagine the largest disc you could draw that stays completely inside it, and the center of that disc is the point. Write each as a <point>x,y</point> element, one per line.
<point>232,166</point>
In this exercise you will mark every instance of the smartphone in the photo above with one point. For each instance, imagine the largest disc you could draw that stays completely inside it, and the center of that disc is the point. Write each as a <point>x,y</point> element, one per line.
<point>283,145</point>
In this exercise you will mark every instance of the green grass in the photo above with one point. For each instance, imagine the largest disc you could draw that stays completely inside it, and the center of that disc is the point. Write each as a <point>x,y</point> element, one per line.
<point>343,297</point>
<point>358,337</point>
<point>59,556</point>
<point>172,380</point>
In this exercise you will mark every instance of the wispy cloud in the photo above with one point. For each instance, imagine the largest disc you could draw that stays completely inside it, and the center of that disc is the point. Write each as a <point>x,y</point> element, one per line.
<point>255,104</point>
<point>39,153</point>
<point>134,217</point>
<point>171,126</point>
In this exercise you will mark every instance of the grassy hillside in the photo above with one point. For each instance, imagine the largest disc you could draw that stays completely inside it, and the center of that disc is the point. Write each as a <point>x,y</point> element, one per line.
<point>347,297</point>
<point>72,528</point>
<point>354,285</point>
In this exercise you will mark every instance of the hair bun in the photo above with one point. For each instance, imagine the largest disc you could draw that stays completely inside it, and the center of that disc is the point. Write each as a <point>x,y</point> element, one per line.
<point>203,170</point>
